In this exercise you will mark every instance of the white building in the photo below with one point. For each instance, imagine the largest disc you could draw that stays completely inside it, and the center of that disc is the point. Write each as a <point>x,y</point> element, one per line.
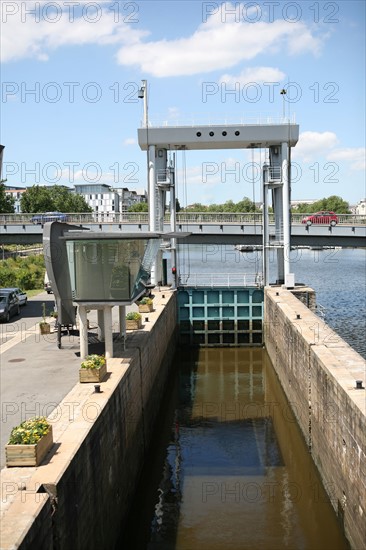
<point>360,209</point>
<point>99,197</point>
<point>104,199</point>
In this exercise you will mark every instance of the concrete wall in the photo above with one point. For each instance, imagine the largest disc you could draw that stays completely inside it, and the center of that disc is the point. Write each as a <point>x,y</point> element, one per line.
<point>100,441</point>
<point>318,372</point>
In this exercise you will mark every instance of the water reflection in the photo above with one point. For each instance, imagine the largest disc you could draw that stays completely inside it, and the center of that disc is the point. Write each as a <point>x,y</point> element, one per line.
<point>231,469</point>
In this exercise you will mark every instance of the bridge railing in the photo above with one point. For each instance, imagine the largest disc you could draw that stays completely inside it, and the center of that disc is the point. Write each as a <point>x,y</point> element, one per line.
<point>136,218</point>
<point>220,280</point>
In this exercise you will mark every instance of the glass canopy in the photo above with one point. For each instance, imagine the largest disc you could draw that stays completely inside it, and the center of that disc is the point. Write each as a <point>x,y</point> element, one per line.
<point>109,270</point>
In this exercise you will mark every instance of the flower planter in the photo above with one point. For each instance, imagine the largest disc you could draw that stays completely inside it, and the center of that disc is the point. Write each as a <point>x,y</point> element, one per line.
<point>133,324</point>
<point>146,308</point>
<point>29,455</point>
<point>93,375</point>
<point>45,328</point>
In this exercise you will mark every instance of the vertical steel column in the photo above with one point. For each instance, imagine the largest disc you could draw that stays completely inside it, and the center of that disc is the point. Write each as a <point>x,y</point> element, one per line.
<point>152,200</point>
<point>265,253</point>
<point>152,188</point>
<point>173,225</point>
<point>285,211</point>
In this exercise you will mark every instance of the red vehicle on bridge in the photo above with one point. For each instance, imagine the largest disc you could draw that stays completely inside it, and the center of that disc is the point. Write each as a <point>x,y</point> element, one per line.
<point>323,217</point>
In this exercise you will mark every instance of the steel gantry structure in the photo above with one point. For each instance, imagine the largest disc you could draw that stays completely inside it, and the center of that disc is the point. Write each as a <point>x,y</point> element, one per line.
<point>277,136</point>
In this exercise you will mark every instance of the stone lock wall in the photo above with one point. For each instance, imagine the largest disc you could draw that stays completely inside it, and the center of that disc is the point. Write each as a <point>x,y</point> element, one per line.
<point>318,371</point>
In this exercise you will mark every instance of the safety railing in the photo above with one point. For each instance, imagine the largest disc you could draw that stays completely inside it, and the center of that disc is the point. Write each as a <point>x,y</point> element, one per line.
<point>219,218</point>
<point>195,119</point>
<point>224,280</point>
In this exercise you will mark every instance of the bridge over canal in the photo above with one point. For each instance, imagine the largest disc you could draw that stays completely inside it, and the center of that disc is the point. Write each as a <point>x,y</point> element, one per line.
<point>204,228</point>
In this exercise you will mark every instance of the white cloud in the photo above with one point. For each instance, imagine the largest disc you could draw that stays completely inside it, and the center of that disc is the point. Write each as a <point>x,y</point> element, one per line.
<point>216,45</point>
<point>37,38</point>
<point>312,145</point>
<point>254,74</point>
<point>130,141</point>
<point>356,156</point>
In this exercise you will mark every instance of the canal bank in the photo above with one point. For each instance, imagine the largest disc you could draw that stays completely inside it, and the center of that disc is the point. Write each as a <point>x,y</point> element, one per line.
<point>82,490</point>
<point>324,380</point>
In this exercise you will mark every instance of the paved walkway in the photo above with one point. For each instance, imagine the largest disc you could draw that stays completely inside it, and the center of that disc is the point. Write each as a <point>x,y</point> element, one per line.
<point>35,375</point>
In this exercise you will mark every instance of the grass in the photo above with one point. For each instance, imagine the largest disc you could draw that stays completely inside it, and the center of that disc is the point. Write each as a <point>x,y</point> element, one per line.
<point>34,292</point>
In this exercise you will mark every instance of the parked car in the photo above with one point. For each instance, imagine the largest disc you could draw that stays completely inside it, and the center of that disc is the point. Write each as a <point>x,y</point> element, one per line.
<point>9,305</point>
<point>47,284</point>
<point>20,294</point>
<point>49,217</point>
<point>324,217</point>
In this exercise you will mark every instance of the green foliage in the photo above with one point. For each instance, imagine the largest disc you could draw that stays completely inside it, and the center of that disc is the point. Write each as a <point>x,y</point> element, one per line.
<point>44,314</point>
<point>334,203</point>
<point>55,198</point>
<point>243,206</point>
<point>23,272</point>
<point>93,361</point>
<point>146,301</point>
<point>6,202</point>
<point>133,316</point>
<point>139,207</point>
<point>30,431</point>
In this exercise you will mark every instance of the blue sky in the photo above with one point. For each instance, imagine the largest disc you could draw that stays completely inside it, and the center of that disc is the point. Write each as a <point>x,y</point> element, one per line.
<point>71,71</point>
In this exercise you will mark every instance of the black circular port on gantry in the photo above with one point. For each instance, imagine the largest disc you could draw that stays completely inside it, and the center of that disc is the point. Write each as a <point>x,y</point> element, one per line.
<point>224,133</point>
<point>212,134</point>
<point>237,133</point>
<point>198,134</point>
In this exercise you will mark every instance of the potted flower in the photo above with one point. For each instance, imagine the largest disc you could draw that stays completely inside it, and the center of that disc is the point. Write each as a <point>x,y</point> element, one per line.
<point>44,326</point>
<point>133,320</point>
<point>29,442</point>
<point>145,305</point>
<point>93,368</point>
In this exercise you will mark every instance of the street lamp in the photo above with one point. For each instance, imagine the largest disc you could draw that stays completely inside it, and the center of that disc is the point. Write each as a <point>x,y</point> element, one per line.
<point>283,93</point>
<point>142,94</point>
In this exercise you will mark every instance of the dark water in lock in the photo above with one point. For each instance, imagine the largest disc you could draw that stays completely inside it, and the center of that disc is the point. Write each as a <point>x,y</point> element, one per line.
<point>229,468</point>
<point>337,276</point>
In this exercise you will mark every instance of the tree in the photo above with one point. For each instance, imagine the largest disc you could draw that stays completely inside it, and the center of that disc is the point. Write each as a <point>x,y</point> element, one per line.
<point>139,207</point>
<point>57,198</point>
<point>245,205</point>
<point>334,203</point>
<point>6,201</point>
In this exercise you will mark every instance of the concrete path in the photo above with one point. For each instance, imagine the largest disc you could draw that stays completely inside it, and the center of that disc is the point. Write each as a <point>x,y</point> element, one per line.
<point>34,374</point>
